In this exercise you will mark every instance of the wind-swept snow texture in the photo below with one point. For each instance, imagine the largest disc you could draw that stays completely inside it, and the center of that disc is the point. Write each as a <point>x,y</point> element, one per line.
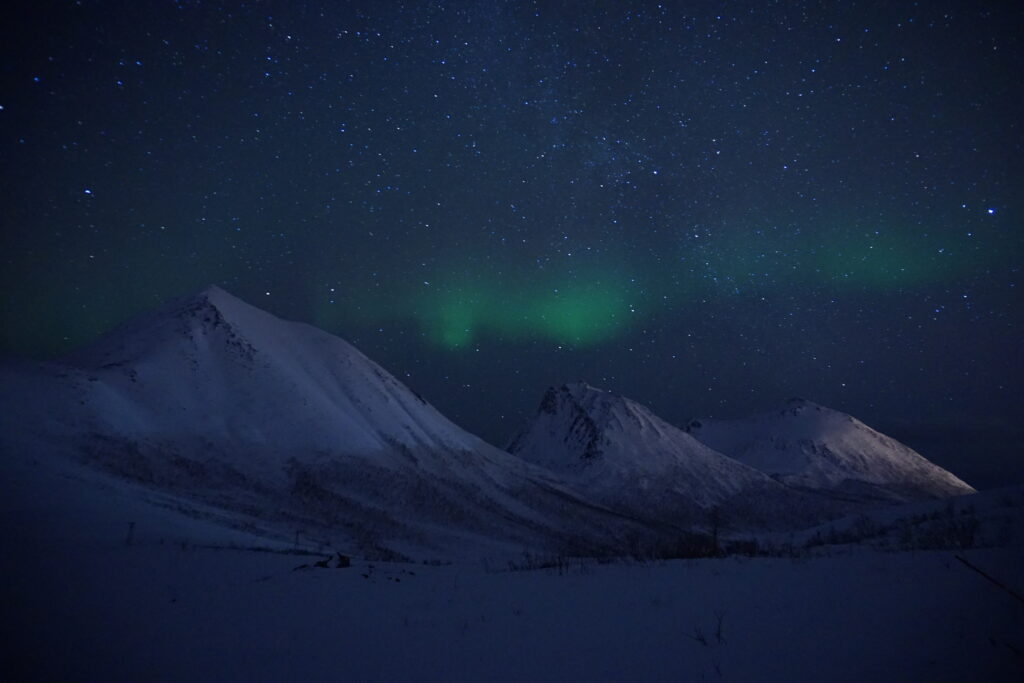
<point>215,400</point>
<point>813,447</point>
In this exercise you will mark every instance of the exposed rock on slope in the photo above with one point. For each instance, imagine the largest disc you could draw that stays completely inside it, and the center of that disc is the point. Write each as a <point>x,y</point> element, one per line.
<point>617,452</point>
<point>214,399</point>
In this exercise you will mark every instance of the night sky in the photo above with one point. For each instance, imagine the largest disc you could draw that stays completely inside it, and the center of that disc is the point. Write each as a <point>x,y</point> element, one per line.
<point>708,207</point>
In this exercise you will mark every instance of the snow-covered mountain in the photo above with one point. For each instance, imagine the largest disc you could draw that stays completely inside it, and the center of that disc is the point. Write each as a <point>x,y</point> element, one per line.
<point>213,399</point>
<point>617,452</point>
<point>813,447</point>
<point>285,429</point>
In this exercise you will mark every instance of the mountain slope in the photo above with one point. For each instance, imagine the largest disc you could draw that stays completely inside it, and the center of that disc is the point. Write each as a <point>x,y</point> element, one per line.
<point>813,447</point>
<point>211,398</point>
<point>617,452</point>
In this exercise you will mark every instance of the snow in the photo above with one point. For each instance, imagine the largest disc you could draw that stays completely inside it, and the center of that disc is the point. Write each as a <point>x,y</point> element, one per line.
<point>214,400</point>
<point>82,604</point>
<point>157,527</point>
<point>993,518</point>
<point>619,453</point>
<point>811,446</point>
<point>602,442</point>
<point>212,350</point>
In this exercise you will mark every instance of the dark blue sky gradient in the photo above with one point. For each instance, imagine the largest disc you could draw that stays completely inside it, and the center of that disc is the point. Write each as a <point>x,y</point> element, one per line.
<point>708,207</point>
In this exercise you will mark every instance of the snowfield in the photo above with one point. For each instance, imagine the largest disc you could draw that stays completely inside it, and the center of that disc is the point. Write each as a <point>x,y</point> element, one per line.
<point>88,595</point>
<point>88,612</point>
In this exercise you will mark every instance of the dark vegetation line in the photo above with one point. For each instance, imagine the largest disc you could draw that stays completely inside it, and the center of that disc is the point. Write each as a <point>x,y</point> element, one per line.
<point>994,580</point>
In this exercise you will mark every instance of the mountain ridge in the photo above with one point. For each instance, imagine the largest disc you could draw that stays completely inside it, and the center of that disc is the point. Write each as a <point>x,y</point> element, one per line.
<point>210,396</point>
<point>811,446</point>
<point>618,452</point>
<point>212,399</point>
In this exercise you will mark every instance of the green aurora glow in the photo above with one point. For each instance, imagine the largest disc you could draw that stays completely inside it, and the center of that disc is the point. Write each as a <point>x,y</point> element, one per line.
<point>586,302</point>
<point>576,315</point>
<point>593,304</point>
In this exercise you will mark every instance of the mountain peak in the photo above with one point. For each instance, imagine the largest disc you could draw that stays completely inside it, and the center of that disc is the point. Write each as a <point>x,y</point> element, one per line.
<point>617,451</point>
<point>183,324</point>
<point>795,406</point>
<point>210,289</point>
<point>214,308</point>
<point>213,398</point>
<point>580,403</point>
<point>212,293</point>
<point>214,296</point>
<point>581,387</point>
<point>569,396</point>
<point>811,446</point>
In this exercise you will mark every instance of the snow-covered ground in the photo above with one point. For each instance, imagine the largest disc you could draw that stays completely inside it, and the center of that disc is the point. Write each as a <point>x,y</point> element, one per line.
<point>986,519</point>
<point>81,603</point>
<point>84,612</point>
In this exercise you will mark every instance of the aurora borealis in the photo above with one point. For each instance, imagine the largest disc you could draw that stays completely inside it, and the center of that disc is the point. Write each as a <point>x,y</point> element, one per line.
<point>708,207</point>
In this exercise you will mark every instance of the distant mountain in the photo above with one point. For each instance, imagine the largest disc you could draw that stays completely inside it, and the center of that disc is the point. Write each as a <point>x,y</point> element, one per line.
<point>215,400</point>
<point>222,411</point>
<point>812,447</point>
<point>618,453</point>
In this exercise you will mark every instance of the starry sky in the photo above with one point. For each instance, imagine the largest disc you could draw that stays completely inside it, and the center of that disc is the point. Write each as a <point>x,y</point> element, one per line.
<point>709,207</point>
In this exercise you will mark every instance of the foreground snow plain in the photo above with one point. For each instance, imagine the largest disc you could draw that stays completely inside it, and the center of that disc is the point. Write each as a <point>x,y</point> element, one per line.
<point>174,599</point>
